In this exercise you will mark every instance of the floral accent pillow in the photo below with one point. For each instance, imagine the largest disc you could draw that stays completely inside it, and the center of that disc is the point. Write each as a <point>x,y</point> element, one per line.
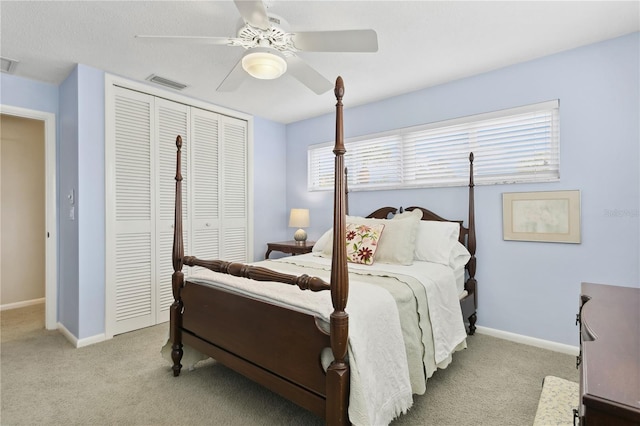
<point>362,242</point>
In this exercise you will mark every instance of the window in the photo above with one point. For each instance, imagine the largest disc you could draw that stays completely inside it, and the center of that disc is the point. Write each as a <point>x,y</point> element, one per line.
<point>510,146</point>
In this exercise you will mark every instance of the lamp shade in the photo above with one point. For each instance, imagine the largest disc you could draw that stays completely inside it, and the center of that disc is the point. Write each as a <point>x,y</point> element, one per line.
<point>264,64</point>
<point>299,218</point>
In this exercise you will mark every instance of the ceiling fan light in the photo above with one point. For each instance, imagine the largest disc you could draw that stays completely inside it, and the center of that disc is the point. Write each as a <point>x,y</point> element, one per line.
<point>264,65</point>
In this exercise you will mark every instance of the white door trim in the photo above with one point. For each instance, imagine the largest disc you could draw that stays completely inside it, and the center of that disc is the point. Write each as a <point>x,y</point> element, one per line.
<point>51,243</point>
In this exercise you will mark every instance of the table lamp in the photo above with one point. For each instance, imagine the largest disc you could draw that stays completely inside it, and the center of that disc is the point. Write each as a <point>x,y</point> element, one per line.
<point>299,218</point>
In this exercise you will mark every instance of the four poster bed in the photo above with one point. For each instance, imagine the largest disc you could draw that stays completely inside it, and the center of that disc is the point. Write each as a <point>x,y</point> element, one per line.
<point>359,364</point>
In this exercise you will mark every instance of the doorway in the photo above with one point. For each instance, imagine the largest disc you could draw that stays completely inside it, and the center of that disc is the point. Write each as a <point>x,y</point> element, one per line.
<point>47,234</point>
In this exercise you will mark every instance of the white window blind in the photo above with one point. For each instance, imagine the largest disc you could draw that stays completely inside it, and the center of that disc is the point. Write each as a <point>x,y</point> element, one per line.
<point>510,146</point>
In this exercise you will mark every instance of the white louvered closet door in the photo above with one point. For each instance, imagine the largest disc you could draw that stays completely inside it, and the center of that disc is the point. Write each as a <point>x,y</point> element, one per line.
<point>140,160</point>
<point>172,119</point>
<point>131,268</point>
<point>205,171</point>
<point>233,152</point>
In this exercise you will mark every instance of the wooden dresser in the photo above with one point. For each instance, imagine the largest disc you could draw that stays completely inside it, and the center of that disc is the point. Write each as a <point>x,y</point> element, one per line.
<point>609,359</point>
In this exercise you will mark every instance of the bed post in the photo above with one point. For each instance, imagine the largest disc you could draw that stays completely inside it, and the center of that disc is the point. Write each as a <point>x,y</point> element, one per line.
<point>338,371</point>
<point>177,279</point>
<point>471,245</point>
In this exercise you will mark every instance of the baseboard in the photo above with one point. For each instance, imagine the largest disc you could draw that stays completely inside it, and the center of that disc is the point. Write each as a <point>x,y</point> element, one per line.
<point>531,341</point>
<point>69,335</point>
<point>79,343</point>
<point>22,304</point>
<point>91,340</point>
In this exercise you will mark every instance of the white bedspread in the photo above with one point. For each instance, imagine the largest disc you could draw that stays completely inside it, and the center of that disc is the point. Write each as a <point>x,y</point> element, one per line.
<point>439,283</point>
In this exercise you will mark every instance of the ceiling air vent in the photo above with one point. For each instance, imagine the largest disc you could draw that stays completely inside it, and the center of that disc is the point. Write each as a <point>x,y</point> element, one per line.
<point>166,82</point>
<point>8,65</point>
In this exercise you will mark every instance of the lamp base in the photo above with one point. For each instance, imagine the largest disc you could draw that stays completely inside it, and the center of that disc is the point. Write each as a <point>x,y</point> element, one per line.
<point>300,236</point>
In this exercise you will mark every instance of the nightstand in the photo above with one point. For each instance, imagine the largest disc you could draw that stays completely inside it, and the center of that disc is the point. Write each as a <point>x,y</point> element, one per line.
<point>291,247</point>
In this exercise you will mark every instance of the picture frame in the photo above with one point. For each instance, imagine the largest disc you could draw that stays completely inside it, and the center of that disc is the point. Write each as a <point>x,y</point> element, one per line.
<point>544,216</point>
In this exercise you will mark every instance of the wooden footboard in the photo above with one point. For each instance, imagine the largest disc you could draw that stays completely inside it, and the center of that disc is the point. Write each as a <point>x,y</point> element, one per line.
<point>276,347</point>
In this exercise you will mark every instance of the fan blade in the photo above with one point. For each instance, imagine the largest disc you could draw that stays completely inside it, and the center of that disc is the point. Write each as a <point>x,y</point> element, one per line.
<point>254,13</point>
<point>307,75</point>
<point>233,79</point>
<point>187,39</point>
<point>336,41</point>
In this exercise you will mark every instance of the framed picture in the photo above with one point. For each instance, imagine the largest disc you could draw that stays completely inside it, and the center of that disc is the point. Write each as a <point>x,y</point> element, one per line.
<point>552,216</point>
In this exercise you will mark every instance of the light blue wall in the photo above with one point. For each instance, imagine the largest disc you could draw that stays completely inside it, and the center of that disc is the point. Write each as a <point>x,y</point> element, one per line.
<point>68,252</point>
<point>81,172</point>
<point>29,94</point>
<point>91,201</point>
<point>524,287</point>
<point>269,184</point>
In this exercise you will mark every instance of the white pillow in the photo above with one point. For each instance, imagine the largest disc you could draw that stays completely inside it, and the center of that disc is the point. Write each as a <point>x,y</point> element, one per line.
<point>436,240</point>
<point>327,238</point>
<point>409,214</point>
<point>459,256</point>
<point>397,242</point>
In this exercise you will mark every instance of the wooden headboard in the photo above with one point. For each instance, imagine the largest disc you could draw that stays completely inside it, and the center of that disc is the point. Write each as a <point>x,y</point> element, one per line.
<point>389,212</point>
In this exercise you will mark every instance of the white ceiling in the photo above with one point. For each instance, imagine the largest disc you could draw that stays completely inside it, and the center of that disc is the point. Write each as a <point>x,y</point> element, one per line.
<point>421,43</point>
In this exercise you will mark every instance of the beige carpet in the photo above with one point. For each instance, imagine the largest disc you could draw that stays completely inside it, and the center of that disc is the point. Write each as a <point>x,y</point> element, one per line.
<point>125,381</point>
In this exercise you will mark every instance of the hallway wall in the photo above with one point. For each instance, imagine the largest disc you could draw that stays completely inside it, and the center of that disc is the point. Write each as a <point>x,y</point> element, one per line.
<point>22,210</point>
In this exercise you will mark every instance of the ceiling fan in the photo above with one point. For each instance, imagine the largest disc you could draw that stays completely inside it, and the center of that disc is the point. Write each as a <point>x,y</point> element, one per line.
<point>271,50</point>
